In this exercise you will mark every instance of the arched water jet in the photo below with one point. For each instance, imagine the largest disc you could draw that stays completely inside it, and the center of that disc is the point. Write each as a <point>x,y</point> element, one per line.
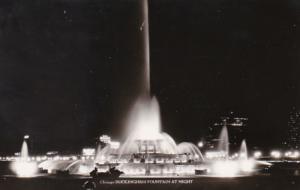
<point>72,164</point>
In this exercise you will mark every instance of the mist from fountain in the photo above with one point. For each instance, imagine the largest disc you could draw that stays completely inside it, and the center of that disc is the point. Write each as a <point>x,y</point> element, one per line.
<point>144,124</point>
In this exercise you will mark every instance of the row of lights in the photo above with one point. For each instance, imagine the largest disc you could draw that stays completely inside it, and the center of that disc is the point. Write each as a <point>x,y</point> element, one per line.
<point>209,155</point>
<point>139,171</point>
<point>257,154</point>
<point>43,158</point>
<point>288,154</point>
<point>279,154</point>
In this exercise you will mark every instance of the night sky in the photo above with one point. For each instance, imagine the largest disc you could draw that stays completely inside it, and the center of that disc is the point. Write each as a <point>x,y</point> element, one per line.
<point>69,69</point>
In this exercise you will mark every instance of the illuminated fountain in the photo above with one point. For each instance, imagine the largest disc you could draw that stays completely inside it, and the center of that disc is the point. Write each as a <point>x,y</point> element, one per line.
<point>23,166</point>
<point>71,165</point>
<point>231,166</point>
<point>147,150</point>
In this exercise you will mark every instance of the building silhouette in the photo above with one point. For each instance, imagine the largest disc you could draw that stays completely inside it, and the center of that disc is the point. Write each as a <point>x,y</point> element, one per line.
<point>293,140</point>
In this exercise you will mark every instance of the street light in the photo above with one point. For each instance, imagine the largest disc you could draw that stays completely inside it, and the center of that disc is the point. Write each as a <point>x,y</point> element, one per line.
<point>257,154</point>
<point>200,144</point>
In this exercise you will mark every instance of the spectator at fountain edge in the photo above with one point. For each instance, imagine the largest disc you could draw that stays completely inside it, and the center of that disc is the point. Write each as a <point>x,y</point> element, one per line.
<point>94,172</point>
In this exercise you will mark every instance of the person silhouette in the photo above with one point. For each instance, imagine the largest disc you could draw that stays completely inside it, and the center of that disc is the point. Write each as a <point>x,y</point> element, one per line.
<point>94,173</point>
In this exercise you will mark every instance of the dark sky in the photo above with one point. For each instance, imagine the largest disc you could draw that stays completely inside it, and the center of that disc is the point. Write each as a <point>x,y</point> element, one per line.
<point>69,69</point>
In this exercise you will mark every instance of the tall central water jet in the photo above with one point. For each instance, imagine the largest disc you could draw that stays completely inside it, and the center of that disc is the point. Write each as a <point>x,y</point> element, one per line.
<point>144,28</point>
<point>144,120</point>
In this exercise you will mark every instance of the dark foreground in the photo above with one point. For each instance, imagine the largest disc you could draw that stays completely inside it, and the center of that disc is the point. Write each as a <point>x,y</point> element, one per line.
<point>201,183</point>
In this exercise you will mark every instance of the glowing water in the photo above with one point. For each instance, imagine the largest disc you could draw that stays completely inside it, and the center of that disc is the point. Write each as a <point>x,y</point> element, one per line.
<point>223,145</point>
<point>144,133</point>
<point>243,151</point>
<point>73,166</point>
<point>231,167</point>
<point>145,127</point>
<point>144,121</point>
<point>147,150</point>
<point>145,142</point>
<point>24,151</point>
<point>23,167</point>
<point>144,28</point>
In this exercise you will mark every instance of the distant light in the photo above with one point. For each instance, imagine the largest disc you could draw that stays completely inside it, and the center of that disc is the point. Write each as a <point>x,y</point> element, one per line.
<point>290,154</point>
<point>200,144</point>
<point>276,154</point>
<point>17,154</point>
<point>88,151</point>
<point>51,153</point>
<point>235,155</point>
<point>105,139</point>
<point>26,136</point>
<point>296,154</point>
<point>257,154</point>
